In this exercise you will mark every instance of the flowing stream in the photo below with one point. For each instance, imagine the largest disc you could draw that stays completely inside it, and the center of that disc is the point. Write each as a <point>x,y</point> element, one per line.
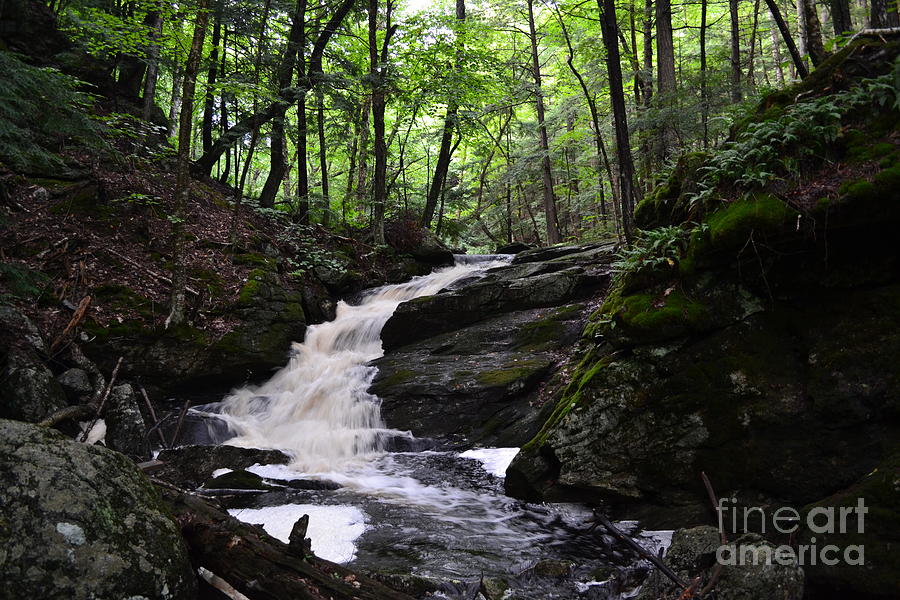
<point>436,514</point>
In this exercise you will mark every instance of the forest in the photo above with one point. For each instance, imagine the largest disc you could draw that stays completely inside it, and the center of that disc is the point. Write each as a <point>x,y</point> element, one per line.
<point>488,122</point>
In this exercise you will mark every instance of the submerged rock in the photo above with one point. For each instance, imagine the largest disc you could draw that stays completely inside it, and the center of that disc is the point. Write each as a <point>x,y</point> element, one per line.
<point>82,522</point>
<point>191,466</point>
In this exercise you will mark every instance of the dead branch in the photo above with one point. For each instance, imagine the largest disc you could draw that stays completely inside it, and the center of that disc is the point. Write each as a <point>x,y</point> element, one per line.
<point>715,503</point>
<point>73,413</point>
<point>102,403</point>
<point>150,408</point>
<point>149,272</point>
<point>76,318</point>
<point>637,548</point>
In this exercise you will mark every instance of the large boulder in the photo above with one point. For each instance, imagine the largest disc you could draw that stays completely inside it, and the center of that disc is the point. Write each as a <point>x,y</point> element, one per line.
<point>532,284</point>
<point>82,522</point>
<point>191,466</point>
<point>479,382</point>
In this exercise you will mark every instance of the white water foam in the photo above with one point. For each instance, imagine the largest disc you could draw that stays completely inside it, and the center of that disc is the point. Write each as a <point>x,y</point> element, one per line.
<point>318,408</point>
<point>332,529</point>
<point>494,460</point>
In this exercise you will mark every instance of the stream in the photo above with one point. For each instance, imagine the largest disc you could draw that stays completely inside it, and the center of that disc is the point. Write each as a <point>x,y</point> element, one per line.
<point>381,500</point>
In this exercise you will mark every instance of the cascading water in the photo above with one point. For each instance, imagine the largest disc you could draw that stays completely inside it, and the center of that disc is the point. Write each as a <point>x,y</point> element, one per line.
<point>436,514</point>
<point>317,407</point>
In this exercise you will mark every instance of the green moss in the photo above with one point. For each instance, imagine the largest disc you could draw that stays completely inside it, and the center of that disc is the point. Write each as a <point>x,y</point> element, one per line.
<point>255,285</point>
<point>511,373</point>
<point>668,203</point>
<point>733,225</point>
<point>546,332</point>
<point>646,317</point>
<point>398,377</point>
<point>121,297</point>
<point>888,179</point>
<point>254,259</point>
<point>857,190</point>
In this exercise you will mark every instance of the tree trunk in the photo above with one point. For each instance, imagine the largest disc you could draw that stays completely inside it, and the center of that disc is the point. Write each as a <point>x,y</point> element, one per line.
<point>152,77</point>
<point>211,74</point>
<point>323,156</point>
<point>302,163</point>
<point>362,186</point>
<point>884,14</point>
<point>442,166</point>
<point>286,97</point>
<point>840,16</point>
<point>239,553</point>
<point>665,65</point>
<point>546,172</point>
<point>183,175</point>
<point>813,32</point>
<point>277,164</point>
<point>802,71</point>
<point>175,103</point>
<point>776,52</point>
<point>223,110</point>
<point>704,91</point>
<point>617,98</point>
<point>736,92</point>
<point>377,64</point>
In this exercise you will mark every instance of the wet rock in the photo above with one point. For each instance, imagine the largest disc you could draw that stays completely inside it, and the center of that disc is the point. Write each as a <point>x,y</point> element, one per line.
<point>125,428</point>
<point>239,480</point>
<point>553,568</point>
<point>28,390</point>
<point>582,252</point>
<point>478,382</point>
<point>494,588</point>
<point>503,290</point>
<point>513,248</point>
<point>83,522</point>
<point>75,382</point>
<point>693,553</point>
<point>431,250</point>
<point>190,466</point>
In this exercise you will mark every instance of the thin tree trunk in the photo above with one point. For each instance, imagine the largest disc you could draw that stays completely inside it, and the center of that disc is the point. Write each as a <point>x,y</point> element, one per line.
<point>592,107</point>
<point>286,97</point>
<point>277,165</point>
<point>442,166</point>
<point>152,76</point>
<point>753,32</point>
<point>211,74</point>
<point>323,157</point>
<point>546,172</point>
<point>377,64</point>
<point>183,175</point>
<point>363,166</point>
<point>617,99</point>
<point>776,51</point>
<point>802,71</point>
<point>223,109</point>
<point>704,91</point>
<point>736,92</point>
<point>175,103</point>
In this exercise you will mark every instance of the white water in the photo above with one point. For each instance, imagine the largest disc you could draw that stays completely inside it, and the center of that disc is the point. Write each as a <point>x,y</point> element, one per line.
<point>317,408</point>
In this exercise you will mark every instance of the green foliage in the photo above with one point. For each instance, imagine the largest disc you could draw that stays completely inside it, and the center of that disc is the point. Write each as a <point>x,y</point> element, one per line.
<point>777,147</point>
<point>655,248</point>
<point>41,110</point>
<point>22,283</point>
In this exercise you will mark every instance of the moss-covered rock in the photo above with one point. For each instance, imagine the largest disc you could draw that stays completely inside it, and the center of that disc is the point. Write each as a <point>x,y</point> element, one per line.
<point>82,522</point>
<point>669,203</point>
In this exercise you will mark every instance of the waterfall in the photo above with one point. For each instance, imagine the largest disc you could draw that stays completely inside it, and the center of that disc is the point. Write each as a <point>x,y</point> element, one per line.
<point>317,408</point>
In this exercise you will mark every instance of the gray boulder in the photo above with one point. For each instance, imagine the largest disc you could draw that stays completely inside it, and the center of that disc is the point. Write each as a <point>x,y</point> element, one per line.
<point>125,428</point>
<point>82,522</point>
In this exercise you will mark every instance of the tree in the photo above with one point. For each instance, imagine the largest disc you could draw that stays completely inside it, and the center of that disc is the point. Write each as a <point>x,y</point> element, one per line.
<point>378,64</point>
<point>183,175</point>
<point>617,99</point>
<point>665,64</point>
<point>546,172</point>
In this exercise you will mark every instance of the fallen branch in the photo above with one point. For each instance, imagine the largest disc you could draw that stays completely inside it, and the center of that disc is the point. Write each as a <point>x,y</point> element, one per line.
<point>637,548</point>
<point>73,413</point>
<point>177,434</point>
<point>150,408</point>
<point>259,566</point>
<point>715,505</point>
<point>149,272</point>
<point>76,318</point>
<point>102,403</point>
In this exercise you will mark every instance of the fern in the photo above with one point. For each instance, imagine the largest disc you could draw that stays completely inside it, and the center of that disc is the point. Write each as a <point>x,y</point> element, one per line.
<point>41,110</point>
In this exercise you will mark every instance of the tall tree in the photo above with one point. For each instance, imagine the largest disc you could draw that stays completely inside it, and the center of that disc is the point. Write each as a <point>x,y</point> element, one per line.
<point>183,175</point>
<point>813,31</point>
<point>553,236</point>
<point>665,66</point>
<point>736,92</point>
<point>608,27</point>
<point>378,64</point>
<point>442,166</point>
<point>285,97</point>
<point>206,126</point>
<point>277,163</point>
<point>840,16</point>
<point>802,71</point>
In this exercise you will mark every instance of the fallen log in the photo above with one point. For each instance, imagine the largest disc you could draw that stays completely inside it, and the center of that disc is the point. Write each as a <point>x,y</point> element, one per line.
<point>260,566</point>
